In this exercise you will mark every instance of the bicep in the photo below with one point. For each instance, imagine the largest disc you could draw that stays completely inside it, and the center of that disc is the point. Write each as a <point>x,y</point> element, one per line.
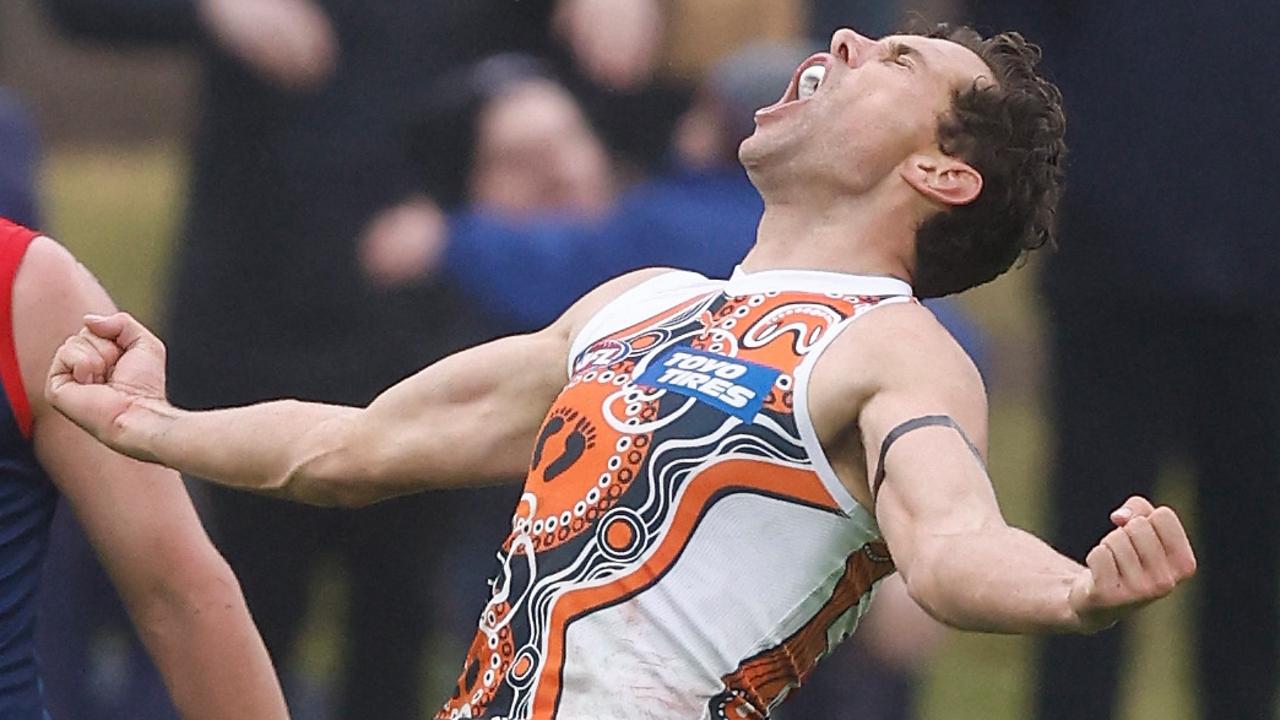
<point>925,436</point>
<point>468,419</point>
<point>934,487</point>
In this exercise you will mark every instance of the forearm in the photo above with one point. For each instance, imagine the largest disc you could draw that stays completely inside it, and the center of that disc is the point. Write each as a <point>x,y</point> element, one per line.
<point>467,419</point>
<point>203,641</point>
<point>267,447</point>
<point>1000,579</point>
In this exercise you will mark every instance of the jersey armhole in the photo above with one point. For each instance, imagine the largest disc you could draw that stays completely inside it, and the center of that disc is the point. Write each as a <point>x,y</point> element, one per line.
<point>804,422</point>
<point>14,241</point>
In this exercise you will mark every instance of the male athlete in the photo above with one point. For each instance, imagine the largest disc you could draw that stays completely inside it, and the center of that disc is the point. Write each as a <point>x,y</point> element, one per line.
<point>727,467</point>
<point>179,592</point>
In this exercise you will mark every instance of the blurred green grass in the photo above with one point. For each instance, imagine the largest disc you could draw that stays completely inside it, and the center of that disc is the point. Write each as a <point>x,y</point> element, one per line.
<point>119,208</point>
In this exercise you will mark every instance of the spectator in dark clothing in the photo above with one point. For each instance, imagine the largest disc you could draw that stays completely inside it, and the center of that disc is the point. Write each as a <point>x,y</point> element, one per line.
<point>299,146</point>
<point>1163,316</point>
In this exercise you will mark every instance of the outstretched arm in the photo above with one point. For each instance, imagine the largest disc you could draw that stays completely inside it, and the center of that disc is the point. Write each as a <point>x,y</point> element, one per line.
<point>180,593</point>
<point>922,423</point>
<point>468,419</point>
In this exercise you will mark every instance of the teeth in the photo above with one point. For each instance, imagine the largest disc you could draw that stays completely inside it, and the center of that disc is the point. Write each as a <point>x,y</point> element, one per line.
<point>810,79</point>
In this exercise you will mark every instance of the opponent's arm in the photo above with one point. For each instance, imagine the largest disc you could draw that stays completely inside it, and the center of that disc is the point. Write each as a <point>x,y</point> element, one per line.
<point>468,419</point>
<point>922,425</point>
<point>181,595</point>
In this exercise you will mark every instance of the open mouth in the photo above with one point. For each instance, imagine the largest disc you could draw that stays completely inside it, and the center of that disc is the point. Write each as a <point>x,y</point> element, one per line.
<point>806,81</point>
<point>809,81</point>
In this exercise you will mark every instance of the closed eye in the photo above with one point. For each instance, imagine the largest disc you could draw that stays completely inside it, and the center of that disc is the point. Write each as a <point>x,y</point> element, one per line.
<point>903,54</point>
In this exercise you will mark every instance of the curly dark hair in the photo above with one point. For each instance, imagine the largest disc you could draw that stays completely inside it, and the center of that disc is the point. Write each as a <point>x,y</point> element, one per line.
<point>1010,131</point>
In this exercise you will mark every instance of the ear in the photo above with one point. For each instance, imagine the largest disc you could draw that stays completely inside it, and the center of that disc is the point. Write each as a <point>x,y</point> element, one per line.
<point>942,179</point>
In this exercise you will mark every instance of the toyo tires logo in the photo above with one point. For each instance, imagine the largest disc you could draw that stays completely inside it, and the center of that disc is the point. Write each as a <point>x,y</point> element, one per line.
<point>738,387</point>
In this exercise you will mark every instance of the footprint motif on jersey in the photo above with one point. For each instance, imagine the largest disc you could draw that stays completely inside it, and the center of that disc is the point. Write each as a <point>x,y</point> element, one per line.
<point>581,439</point>
<point>553,427</point>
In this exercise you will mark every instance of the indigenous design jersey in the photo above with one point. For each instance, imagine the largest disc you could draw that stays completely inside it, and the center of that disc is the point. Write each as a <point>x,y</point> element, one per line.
<point>27,501</point>
<point>682,548</point>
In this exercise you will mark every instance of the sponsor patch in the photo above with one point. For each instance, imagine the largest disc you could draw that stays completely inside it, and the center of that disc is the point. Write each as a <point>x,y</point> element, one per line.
<point>738,387</point>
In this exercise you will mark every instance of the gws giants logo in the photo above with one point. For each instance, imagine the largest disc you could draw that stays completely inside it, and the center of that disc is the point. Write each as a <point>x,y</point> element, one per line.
<point>602,354</point>
<point>738,387</point>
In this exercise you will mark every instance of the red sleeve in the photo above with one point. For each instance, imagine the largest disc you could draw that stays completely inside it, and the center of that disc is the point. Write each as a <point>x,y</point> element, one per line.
<point>14,240</point>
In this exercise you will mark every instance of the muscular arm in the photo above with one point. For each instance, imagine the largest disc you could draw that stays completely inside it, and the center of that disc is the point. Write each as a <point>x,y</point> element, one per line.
<point>921,417</point>
<point>180,594</point>
<point>468,419</point>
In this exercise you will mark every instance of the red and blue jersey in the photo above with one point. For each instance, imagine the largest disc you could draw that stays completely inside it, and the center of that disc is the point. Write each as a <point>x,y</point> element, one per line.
<point>27,501</point>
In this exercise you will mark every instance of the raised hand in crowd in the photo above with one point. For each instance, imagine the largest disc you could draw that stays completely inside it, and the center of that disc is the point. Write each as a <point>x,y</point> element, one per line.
<point>290,43</point>
<point>403,242</point>
<point>615,42</point>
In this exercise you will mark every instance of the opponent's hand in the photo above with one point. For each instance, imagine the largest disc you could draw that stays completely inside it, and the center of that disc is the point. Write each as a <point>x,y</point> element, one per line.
<point>103,372</point>
<point>1142,560</point>
<point>290,43</point>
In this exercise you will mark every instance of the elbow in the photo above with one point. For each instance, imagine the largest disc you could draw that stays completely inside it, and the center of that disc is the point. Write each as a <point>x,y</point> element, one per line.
<point>191,590</point>
<point>925,587</point>
<point>922,593</point>
<point>328,470</point>
<point>334,478</point>
<point>327,483</point>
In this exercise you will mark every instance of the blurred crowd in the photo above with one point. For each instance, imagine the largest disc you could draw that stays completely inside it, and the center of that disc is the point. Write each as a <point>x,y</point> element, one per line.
<point>378,183</point>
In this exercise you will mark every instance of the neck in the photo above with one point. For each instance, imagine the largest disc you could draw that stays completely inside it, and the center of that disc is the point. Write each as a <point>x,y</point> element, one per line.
<point>851,235</point>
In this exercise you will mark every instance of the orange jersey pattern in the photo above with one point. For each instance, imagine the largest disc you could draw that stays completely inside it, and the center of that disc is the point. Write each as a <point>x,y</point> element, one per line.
<point>682,548</point>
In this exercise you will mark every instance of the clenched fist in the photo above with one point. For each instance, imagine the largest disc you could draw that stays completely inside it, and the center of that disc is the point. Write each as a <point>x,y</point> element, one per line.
<point>109,377</point>
<point>1143,559</point>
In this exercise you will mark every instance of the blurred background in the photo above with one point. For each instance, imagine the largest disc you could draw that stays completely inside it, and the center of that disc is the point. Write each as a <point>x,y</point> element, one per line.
<point>315,198</point>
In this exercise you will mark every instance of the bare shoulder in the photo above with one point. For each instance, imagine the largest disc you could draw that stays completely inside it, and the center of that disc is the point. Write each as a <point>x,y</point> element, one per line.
<point>893,364</point>
<point>905,343</point>
<point>52,292</point>
<point>47,269</point>
<point>899,351</point>
<point>51,279</point>
<point>577,316</point>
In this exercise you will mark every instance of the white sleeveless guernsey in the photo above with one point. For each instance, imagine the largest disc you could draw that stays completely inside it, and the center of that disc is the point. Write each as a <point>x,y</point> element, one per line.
<point>683,549</point>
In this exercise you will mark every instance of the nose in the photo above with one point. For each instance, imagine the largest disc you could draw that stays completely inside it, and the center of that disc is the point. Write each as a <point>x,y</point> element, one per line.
<point>849,46</point>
